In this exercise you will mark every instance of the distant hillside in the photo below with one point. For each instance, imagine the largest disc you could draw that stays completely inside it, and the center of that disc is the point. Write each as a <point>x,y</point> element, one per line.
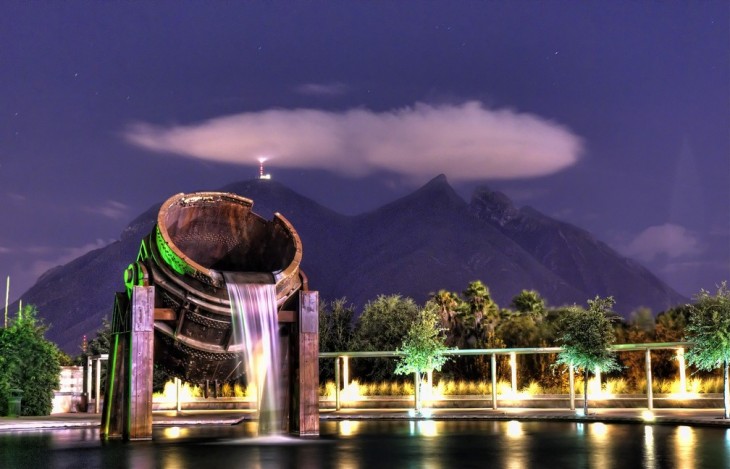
<point>428,240</point>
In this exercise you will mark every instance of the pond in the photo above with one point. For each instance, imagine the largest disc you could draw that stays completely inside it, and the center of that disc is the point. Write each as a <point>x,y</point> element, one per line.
<point>382,444</point>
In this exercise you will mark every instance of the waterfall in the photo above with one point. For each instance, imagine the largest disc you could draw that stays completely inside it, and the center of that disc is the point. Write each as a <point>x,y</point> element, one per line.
<point>254,321</point>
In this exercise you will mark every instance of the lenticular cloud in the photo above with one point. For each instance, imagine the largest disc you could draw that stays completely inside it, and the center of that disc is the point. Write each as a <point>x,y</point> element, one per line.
<point>465,142</point>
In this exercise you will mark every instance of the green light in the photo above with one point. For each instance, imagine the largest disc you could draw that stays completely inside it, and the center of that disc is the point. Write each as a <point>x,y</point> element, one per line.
<point>144,251</point>
<point>110,388</point>
<point>170,257</point>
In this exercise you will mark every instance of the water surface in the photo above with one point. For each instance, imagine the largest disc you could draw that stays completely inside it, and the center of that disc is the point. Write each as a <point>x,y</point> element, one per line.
<point>382,444</point>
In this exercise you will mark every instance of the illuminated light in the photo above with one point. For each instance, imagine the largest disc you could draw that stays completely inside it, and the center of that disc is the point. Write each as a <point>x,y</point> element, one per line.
<point>351,392</point>
<point>427,428</point>
<point>262,160</point>
<point>685,434</point>
<point>174,432</point>
<point>649,453</point>
<point>682,374</point>
<point>349,427</point>
<point>580,413</point>
<point>514,429</point>
<point>685,446</point>
<point>579,428</point>
<point>648,416</point>
<point>599,429</point>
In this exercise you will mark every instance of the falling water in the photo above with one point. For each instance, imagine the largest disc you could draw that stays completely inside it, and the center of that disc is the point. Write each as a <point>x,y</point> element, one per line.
<point>253,312</point>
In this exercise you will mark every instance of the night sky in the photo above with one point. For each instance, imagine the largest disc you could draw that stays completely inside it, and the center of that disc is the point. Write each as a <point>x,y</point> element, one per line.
<point>614,116</point>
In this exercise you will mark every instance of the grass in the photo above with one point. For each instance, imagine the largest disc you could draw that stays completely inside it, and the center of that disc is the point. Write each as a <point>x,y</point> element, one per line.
<point>448,387</point>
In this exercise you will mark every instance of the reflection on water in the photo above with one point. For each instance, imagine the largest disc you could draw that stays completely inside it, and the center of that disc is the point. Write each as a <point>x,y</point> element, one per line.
<point>600,445</point>
<point>649,460</point>
<point>685,447</point>
<point>379,444</point>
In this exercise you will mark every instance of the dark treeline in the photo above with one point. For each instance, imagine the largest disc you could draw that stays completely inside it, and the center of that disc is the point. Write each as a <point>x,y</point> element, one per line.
<point>472,320</point>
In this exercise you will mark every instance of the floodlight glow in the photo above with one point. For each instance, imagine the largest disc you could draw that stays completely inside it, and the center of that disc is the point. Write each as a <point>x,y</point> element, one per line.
<point>427,428</point>
<point>348,427</point>
<point>599,430</point>
<point>514,429</point>
<point>648,416</point>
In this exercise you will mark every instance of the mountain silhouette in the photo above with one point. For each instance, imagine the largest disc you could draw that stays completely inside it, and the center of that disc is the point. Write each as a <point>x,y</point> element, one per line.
<point>429,240</point>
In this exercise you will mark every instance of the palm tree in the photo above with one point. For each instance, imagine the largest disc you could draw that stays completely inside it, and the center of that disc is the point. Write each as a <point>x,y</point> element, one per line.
<point>480,306</point>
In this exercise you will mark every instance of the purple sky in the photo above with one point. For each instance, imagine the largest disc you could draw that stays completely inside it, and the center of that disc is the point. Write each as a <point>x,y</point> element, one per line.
<point>614,116</point>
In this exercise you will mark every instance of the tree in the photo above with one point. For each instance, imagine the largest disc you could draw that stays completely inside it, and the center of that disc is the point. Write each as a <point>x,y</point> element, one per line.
<point>335,325</point>
<point>335,331</point>
<point>423,348</point>
<point>448,304</point>
<point>709,333</point>
<point>529,301</point>
<point>586,336</point>
<point>383,325</point>
<point>480,306</point>
<point>101,343</point>
<point>29,363</point>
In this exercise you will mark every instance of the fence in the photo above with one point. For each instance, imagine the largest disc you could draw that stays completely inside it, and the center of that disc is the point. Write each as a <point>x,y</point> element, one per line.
<point>342,366</point>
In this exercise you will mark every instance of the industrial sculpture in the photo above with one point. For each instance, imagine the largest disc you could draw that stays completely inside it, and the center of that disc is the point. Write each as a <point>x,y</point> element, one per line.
<point>176,311</point>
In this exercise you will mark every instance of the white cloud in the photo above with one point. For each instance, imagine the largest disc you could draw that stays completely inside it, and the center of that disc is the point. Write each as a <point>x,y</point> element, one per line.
<point>323,89</point>
<point>63,255</point>
<point>110,209</point>
<point>670,240</point>
<point>465,142</point>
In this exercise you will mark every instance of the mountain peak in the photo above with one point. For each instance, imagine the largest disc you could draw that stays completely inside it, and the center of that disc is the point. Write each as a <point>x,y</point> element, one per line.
<point>494,206</point>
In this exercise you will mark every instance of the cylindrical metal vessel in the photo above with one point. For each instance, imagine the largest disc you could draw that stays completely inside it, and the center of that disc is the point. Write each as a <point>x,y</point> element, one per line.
<point>198,236</point>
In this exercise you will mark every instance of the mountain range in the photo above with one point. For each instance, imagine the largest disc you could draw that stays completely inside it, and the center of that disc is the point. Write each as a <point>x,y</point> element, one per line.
<point>429,240</point>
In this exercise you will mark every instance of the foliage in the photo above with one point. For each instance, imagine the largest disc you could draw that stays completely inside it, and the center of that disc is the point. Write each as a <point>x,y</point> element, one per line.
<point>28,362</point>
<point>529,301</point>
<point>643,319</point>
<point>101,343</point>
<point>382,326</point>
<point>586,336</point>
<point>479,306</point>
<point>423,346</point>
<point>336,332</point>
<point>447,304</point>
<point>709,330</point>
<point>335,326</point>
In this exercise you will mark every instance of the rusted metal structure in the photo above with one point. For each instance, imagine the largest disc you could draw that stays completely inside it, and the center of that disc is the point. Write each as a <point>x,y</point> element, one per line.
<point>176,307</point>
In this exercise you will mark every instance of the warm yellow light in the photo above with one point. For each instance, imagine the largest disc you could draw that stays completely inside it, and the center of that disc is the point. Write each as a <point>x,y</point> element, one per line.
<point>351,391</point>
<point>427,428</point>
<point>648,416</point>
<point>599,430</point>
<point>514,429</point>
<point>169,393</point>
<point>348,427</point>
<point>174,432</point>
<point>681,396</point>
<point>685,434</point>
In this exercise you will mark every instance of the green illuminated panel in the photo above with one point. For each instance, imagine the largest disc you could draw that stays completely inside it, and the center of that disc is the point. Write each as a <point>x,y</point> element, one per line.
<point>170,257</point>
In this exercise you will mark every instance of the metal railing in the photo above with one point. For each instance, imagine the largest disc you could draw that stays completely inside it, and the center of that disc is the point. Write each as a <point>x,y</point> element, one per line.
<point>342,363</point>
